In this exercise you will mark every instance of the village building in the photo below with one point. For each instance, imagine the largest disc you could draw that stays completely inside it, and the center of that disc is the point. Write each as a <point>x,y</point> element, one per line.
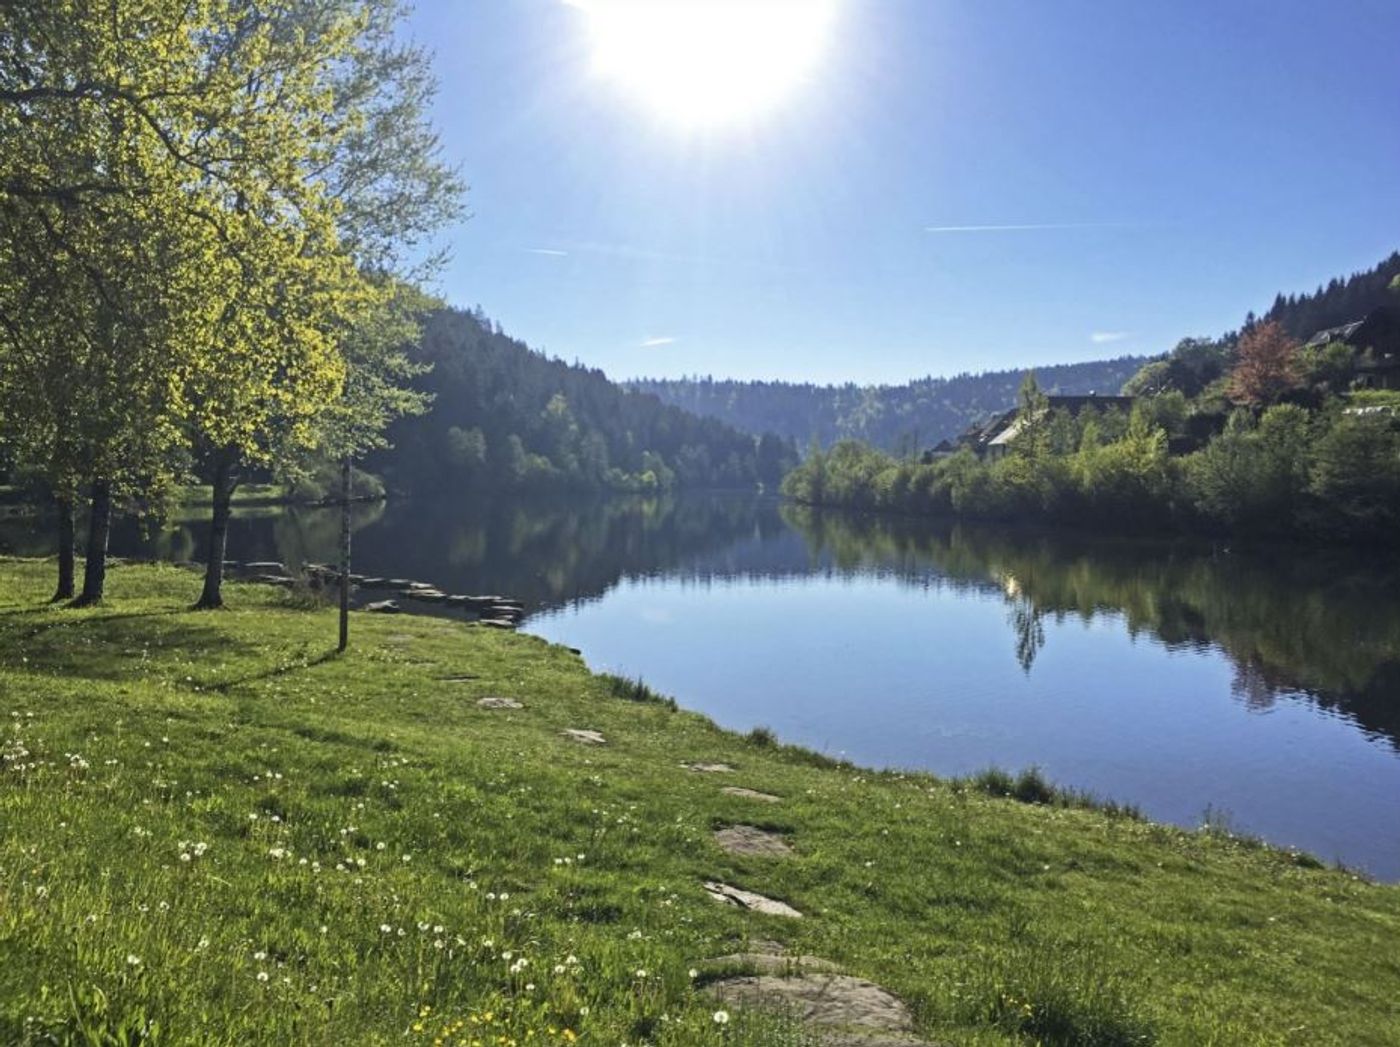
<point>993,437</point>
<point>1376,340</point>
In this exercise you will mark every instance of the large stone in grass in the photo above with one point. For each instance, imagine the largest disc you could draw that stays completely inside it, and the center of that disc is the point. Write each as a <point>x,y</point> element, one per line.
<point>497,623</point>
<point>709,768</point>
<point>382,607</point>
<point>844,1011</point>
<point>750,794</point>
<point>773,962</point>
<point>751,841</point>
<point>728,894</point>
<point>499,703</point>
<point>584,737</point>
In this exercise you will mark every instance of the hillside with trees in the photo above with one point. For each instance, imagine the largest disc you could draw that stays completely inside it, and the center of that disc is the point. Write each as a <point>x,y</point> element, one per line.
<point>896,418</point>
<point>507,417</point>
<point>1341,301</point>
<point>1254,435</point>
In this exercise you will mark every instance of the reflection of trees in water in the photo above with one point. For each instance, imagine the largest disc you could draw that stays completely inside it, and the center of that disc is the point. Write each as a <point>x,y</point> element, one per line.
<point>1293,622</point>
<point>552,551</point>
<point>1028,624</point>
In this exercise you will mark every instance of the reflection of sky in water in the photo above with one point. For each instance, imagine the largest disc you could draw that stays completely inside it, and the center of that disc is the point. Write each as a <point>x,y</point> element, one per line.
<point>926,676</point>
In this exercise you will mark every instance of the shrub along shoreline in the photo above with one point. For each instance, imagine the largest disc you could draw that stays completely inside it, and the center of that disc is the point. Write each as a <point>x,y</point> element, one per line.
<point>1282,471</point>
<point>216,831</point>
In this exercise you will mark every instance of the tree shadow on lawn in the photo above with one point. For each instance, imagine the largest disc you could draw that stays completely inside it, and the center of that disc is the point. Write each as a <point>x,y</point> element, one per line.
<point>111,646</point>
<point>272,672</point>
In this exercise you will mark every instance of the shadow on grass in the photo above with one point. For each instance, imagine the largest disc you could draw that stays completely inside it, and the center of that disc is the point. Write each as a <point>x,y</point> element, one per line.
<point>108,646</point>
<point>273,672</point>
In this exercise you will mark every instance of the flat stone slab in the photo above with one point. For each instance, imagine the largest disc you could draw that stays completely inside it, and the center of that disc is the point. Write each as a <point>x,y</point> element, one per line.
<point>751,794</point>
<point>775,963</point>
<point>585,737</point>
<point>728,894</point>
<point>752,841</point>
<point>499,703</point>
<point>709,768</point>
<point>382,607</point>
<point>846,1011</point>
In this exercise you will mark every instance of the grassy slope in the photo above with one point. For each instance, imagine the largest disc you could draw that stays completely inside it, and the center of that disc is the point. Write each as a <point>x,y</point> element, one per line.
<point>147,725</point>
<point>244,494</point>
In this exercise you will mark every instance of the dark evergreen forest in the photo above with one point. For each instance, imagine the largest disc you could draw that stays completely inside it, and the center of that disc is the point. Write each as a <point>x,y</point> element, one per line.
<point>508,417</point>
<point>897,418</point>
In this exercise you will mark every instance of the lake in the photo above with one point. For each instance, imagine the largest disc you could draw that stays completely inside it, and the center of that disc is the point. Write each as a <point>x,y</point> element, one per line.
<point>1259,689</point>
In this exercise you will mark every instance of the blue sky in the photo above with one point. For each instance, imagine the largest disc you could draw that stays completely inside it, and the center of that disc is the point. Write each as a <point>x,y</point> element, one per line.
<point>1179,162</point>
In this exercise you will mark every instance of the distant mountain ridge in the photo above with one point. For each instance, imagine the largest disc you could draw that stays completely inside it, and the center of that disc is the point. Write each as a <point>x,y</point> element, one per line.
<point>896,418</point>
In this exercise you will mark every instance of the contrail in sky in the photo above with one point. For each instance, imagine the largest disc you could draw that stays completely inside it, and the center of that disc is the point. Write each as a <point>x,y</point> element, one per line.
<point>1030,227</point>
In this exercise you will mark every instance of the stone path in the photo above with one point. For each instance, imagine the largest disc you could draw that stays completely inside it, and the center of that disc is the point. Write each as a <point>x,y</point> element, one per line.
<point>842,1010</point>
<point>499,703</point>
<point>751,794</point>
<point>751,841</point>
<point>585,737</point>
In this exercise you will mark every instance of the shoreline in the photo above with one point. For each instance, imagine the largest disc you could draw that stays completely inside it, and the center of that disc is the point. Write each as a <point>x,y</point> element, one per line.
<point>488,756</point>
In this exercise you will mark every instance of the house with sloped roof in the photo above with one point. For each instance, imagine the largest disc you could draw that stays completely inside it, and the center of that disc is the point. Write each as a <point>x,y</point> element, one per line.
<point>992,438</point>
<point>1376,340</point>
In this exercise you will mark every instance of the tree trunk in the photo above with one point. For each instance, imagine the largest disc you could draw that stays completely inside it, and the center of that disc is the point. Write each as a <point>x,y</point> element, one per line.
<point>344,554</point>
<point>66,541</point>
<point>224,482</point>
<point>99,526</point>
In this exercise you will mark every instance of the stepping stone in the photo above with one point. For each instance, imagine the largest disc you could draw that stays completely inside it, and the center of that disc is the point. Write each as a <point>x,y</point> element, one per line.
<point>845,1011</point>
<point>751,841</point>
<point>382,607</point>
<point>709,768</point>
<point>585,737</point>
<point>775,963</point>
<point>497,623</point>
<point>727,894</point>
<point>499,703</point>
<point>751,794</point>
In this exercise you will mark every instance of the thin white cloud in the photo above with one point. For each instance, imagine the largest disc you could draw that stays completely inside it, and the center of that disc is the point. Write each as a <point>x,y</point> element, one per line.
<point>547,251</point>
<point>1028,227</point>
<point>654,343</point>
<point>1104,337</point>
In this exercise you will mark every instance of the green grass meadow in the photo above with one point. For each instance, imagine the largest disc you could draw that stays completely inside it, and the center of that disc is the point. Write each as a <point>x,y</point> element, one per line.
<point>214,830</point>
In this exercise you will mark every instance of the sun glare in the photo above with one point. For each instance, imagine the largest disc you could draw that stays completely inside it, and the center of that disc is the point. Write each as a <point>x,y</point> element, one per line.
<point>705,62</point>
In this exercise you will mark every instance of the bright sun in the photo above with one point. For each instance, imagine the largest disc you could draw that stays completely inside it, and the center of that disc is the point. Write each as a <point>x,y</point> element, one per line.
<point>705,62</point>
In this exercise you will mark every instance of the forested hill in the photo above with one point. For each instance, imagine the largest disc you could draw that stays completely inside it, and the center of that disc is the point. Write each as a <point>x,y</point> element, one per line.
<point>1340,302</point>
<point>506,416</point>
<point>893,417</point>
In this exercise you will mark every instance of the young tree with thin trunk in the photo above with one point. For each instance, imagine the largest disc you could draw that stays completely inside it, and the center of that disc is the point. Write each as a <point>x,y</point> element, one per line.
<point>373,159</point>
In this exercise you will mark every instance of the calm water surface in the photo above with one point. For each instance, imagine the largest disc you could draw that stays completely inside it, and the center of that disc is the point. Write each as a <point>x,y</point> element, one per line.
<point>1261,689</point>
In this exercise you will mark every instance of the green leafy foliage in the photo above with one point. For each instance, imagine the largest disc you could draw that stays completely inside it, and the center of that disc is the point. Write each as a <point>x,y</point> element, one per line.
<point>1287,472</point>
